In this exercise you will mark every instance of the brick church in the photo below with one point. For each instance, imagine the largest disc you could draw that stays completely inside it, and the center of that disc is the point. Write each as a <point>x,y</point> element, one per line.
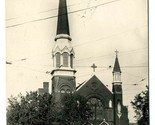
<point>107,106</point>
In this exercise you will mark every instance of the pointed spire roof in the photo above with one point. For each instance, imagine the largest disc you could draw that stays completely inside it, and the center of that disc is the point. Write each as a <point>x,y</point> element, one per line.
<point>116,65</point>
<point>62,24</point>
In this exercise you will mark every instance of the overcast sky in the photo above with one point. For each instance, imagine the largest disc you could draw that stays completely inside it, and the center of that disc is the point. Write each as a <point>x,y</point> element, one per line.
<point>97,27</point>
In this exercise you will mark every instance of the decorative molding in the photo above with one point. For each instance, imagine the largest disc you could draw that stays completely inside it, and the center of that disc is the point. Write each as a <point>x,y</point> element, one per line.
<point>64,71</point>
<point>65,49</point>
<point>63,36</point>
<point>117,83</point>
<point>61,51</point>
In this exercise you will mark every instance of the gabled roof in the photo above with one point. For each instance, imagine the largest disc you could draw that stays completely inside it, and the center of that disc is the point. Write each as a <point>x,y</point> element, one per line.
<point>62,24</point>
<point>94,87</point>
<point>116,66</point>
<point>94,79</point>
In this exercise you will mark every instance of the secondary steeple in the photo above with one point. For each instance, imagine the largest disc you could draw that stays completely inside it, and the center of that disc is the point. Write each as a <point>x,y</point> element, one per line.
<point>116,70</point>
<point>116,65</point>
<point>117,91</point>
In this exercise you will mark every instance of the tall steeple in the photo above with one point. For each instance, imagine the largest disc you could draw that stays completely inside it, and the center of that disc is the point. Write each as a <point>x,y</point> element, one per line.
<point>63,24</point>
<point>63,52</point>
<point>117,83</point>
<point>63,74</point>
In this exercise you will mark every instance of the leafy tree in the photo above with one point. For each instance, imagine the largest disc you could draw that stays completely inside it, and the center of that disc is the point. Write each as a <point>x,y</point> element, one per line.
<point>141,107</point>
<point>75,110</point>
<point>32,109</point>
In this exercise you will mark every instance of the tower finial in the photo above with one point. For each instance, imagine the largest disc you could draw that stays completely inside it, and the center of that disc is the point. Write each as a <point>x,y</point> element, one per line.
<point>116,52</point>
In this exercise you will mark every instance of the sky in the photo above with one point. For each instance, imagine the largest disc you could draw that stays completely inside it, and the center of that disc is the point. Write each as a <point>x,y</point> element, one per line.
<point>97,28</point>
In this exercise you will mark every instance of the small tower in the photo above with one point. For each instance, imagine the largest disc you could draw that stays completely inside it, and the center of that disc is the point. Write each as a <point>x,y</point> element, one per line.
<point>117,91</point>
<point>63,74</point>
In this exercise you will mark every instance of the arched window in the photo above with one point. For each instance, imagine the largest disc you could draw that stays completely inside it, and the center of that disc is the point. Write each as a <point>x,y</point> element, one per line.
<point>97,110</point>
<point>57,59</point>
<point>65,89</point>
<point>71,60</point>
<point>119,106</point>
<point>110,104</point>
<point>62,91</point>
<point>65,59</point>
<point>117,76</point>
<point>68,91</point>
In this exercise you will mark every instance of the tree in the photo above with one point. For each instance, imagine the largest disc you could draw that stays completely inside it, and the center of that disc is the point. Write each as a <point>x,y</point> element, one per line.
<point>35,109</point>
<point>141,107</point>
<point>32,109</point>
<point>75,110</point>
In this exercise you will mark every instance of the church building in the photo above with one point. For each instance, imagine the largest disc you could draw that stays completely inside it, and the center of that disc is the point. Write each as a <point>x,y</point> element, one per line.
<point>107,106</point>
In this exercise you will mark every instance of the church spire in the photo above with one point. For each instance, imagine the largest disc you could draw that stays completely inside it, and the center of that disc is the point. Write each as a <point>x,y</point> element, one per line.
<point>63,73</point>
<point>62,24</point>
<point>116,65</point>
<point>116,70</point>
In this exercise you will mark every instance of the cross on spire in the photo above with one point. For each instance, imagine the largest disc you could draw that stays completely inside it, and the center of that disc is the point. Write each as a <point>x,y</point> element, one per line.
<point>116,52</point>
<point>94,67</point>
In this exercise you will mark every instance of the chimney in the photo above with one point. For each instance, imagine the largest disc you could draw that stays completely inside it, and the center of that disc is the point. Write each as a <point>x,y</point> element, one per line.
<point>41,91</point>
<point>46,87</point>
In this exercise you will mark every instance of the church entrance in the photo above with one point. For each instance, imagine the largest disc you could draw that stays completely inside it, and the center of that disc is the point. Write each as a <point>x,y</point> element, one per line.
<point>97,111</point>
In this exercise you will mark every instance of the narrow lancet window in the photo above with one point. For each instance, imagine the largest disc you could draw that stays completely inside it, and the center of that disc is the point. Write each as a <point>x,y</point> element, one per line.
<point>57,59</point>
<point>65,59</point>
<point>71,60</point>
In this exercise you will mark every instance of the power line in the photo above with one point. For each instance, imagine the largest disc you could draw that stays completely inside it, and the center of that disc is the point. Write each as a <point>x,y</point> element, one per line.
<point>132,75</point>
<point>108,55</point>
<point>137,84</point>
<point>134,66</point>
<point>106,37</point>
<point>10,26</point>
<point>129,94</point>
<point>48,10</point>
<point>82,66</point>
<point>44,11</point>
<point>32,69</point>
<point>91,73</point>
<point>22,59</point>
<point>111,66</point>
<point>26,58</point>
